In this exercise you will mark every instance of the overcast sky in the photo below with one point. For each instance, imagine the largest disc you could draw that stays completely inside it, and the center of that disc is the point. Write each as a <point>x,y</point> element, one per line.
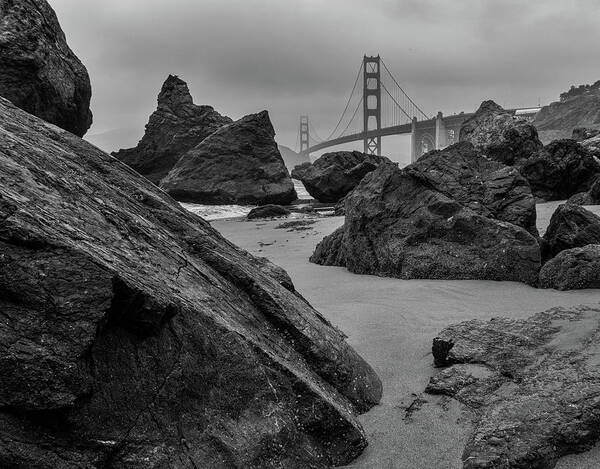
<point>301,56</point>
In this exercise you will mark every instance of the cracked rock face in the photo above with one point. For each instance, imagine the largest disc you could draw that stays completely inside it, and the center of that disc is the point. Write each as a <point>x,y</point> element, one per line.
<point>500,135</point>
<point>573,269</point>
<point>534,385</point>
<point>38,71</point>
<point>133,335</point>
<point>398,225</point>
<point>238,164</point>
<point>176,126</point>
<point>488,187</point>
<point>335,174</point>
<point>571,226</point>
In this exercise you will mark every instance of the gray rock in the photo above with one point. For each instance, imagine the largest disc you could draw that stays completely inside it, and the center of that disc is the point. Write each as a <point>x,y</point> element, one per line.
<point>334,175</point>
<point>399,226</point>
<point>177,126</point>
<point>38,71</point>
<point>238,164</point>
<point>591,197</point>
<point>488,187</point>
<point>533,385</point>
<point>500,135</point>
<point>573,269</point>
<point>134,335</point>
<point>571,226</point>
<point>268,211</point>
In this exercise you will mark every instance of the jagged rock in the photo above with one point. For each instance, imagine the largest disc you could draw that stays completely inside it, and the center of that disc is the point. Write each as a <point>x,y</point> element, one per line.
<point>399,226</point>
<point>533,384</point>
<point>134,335</point>
<point>268,211</point>
<point>591,197</point>
<point>582,133</point>
<point>177,126</point>
<point>38,71</point>
<point>500,135</point>
<point>335,174</point>
<point>562,169</point>
<point>571,226</point>
<point>559,119</point>
<point>292,159</point>
<point>593,145</point>
<point>573,269</point>
<point>488,187</point>
<point>238,164</point>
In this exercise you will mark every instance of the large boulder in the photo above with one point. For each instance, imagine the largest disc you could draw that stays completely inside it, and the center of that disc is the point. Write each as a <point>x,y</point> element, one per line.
<point>177,126</point>
<point>238,164</point>
<point>488,187</point>
<point>578,107</point>
<point>500,135</point>
<point>38,71</point>
<point>268,211</point>
<point>335,174</point>
<point>398,225</point>
<point>591,197</point>
<point>134,335</point>
<point>572,269</point>
<point>533,385</point>
<point>571,226</point>
<point>562,169</point>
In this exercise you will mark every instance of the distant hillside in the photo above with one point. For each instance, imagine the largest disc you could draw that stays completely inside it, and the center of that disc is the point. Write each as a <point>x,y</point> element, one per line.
<point>578,107</point>
<point>291,158</point>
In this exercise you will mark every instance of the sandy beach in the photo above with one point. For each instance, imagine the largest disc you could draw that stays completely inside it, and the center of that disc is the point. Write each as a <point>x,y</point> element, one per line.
<point>391,323</point>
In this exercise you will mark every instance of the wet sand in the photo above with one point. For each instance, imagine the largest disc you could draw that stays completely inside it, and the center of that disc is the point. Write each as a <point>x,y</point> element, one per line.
<point>391,323</point>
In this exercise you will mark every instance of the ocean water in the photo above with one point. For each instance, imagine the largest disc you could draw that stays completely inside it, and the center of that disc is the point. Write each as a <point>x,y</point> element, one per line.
<point>221,212</point>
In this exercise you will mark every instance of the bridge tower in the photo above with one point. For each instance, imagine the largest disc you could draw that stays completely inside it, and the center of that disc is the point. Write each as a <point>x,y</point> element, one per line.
<point>372,103</point>
<point>304,135</point>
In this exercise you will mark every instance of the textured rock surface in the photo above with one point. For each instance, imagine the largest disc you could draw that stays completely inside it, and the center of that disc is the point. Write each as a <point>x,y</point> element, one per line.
<point>268,211</point>
<point>573,269</point>
<point>335,174</point>
<point>583,133</point>
<point>533,383</point>
<point>38,71</point>
<point>593,145</point>
<point>559,119</point>
<point>238,164</point>
<point>488,187</point>
<point>571,226</point>
<point>591,197</point>
<point>562,169</point>
<point>176,126</point>
<point>500,135</point>
<point>397,225</point>
<point>133,335</point>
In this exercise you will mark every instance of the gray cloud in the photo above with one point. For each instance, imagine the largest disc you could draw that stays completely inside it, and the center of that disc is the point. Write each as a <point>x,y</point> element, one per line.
<point>301,56</point>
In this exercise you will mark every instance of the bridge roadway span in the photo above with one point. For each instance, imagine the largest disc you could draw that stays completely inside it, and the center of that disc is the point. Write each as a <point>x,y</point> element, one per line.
<point>426,135</point>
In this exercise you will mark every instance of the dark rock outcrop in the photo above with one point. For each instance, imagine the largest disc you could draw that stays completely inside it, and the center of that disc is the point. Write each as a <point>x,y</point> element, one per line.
<point>335,174</point>
<point>591,197</point>
<point>177,126</point>
<point>268,211</point>
<point>488,187</point>
<point>238,164</point>
<point>500,135</point>
<point>580,109</point>
<point>573,269</point>
<point>134,335</point>
<point>583,133</point>
<point>571,226</point>
<point>398,225</point>
<point>562,169</point>
<point>533,385</point>
<point>592,144</point>
<point>38,71</point>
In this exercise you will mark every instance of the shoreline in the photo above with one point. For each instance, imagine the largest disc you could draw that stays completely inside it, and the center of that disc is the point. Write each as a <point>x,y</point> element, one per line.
<point>391,323</point>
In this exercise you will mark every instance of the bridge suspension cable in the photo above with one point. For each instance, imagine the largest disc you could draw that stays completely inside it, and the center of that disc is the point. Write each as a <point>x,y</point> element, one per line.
<point>358,75</point>
<point>421,115</point>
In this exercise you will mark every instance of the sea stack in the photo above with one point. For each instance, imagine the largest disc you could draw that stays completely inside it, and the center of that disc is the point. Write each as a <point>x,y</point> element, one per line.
<point>238,164</point>
<point>175,127</point>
